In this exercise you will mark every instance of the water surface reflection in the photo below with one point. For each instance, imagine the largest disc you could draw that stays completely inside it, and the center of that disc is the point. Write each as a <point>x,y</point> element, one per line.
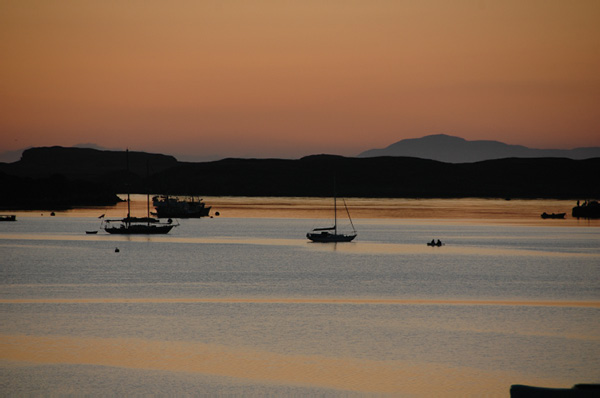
<point>244,304</point>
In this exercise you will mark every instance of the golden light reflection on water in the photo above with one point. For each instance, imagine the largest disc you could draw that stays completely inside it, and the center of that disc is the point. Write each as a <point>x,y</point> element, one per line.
<point>472,209</point>
<point>353,247</point>
<point>352,374</point>
<point>360,375</point>
<point>466,209</point>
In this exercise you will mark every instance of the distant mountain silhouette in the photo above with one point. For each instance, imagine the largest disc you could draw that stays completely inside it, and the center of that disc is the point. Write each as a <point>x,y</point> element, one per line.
<point>446,148</point>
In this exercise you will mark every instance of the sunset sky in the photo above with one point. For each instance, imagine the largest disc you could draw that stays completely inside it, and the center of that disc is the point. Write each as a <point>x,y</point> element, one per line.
<point>285,78</point>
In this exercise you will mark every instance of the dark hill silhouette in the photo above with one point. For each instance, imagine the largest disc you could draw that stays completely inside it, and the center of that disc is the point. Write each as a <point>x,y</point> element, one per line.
<point>58,177</point>
<point>84,163</point>
<point>387,177</point>
<point>86,176</point>
<point>446,148</point>
<point>54,192</point>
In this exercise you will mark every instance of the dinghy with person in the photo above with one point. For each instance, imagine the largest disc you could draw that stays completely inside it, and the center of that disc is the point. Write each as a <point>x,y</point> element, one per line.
<point>433,243</point>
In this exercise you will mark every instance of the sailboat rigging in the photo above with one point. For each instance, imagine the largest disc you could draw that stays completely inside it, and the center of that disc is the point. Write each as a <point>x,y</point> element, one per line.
<point>330,234</point>
<point>137,225</point>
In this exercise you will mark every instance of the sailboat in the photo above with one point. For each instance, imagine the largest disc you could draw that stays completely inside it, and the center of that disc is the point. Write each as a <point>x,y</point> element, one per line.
<point>138,225</point>
<point>330,234</point>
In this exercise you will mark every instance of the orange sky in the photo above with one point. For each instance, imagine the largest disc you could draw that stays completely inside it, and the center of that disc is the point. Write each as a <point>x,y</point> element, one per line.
<point>275,78</point>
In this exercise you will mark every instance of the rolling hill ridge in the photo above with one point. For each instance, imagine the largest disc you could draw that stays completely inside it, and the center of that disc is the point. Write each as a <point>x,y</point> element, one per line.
<point>450,149</point>
<point>62,177</point>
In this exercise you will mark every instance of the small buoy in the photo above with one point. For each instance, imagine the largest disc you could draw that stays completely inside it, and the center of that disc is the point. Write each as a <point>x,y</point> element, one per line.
<point>117,250</point>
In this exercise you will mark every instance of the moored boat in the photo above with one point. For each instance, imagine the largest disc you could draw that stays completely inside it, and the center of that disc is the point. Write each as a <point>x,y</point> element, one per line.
<point>172,207</point>
<point>589,209</point>
<point>553,215</point>
<point>330,234</point>
<point>8,217</point>
<point>137,225</point>
<point>323,235</point>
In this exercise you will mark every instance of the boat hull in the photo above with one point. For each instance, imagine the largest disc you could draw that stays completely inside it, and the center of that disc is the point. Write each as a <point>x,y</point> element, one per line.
<point>553,215</point>
<point>165,212</point>
<point>167,207</point>
<point>140,230</point>
<point>329,238</point>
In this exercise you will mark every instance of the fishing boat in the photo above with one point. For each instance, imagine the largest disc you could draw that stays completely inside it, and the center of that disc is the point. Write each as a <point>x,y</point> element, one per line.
<point>171,207</point>
<point>330,234</point>
<point>8,217</point>
<point>137,225</point>
<point>589,209</point>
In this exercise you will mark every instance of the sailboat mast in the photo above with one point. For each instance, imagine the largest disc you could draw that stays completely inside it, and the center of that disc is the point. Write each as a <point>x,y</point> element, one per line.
<point>147,192</point>
<point>335,214</point>
<point>334,207</point>
<point>128,187</point>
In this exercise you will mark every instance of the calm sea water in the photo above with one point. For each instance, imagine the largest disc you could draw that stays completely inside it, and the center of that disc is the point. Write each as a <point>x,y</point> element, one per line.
<point>243,304</point>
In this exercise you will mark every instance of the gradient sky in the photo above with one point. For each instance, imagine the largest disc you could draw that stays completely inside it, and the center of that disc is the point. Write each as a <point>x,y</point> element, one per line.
<point>277,78</point>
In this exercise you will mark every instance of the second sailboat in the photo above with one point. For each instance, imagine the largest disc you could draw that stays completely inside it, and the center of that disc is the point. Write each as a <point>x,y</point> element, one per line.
<point>330,234</point>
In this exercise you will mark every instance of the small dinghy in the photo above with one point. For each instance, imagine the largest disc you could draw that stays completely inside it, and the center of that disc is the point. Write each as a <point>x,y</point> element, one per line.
<point>554,215</point>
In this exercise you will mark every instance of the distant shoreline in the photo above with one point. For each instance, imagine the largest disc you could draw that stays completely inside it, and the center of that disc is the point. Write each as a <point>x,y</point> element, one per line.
<point>395,210</point>
<point>56,177</point>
